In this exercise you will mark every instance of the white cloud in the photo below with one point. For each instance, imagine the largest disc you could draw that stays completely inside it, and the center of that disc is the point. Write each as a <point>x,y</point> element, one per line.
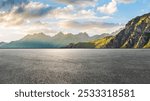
<point>10,18</point>
<point>38,27</point>
<point>21,14</point>
<point>35,5</point>
<point>87,24</point>
<point>125,1</point>
<point>92,27</point>
<point>82,3</point>
<point>62,13</point>
<point>8,34</point>
<point>109,8</point>
<point>33,9</point>
<point>13,33</point>
<point>71,13</point>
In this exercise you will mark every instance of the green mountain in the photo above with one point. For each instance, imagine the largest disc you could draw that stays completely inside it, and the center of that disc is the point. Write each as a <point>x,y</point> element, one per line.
<point>40,40</point>
<point>100,43</point>
<point>2,43</point>
<point>136,34</point>
<point>61,40</point>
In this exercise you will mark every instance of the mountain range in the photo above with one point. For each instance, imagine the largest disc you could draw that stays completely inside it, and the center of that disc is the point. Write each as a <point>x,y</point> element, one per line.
<point>136,34</point>
<point>40,40</point>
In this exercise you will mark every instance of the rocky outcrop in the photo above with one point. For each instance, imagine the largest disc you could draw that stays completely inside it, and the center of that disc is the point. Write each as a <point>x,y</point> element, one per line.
<point>136,34</point>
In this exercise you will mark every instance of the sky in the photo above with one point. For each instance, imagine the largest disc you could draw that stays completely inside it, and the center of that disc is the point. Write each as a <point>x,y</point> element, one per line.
<point>21,17</point>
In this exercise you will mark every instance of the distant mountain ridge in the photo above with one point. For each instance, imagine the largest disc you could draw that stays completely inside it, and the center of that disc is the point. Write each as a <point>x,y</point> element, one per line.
<point>136,34</point>
<point>2,43</point>
<point>40,40</point>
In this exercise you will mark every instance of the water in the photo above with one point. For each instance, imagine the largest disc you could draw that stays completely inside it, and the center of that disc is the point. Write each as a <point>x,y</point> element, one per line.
<point>74,66</point>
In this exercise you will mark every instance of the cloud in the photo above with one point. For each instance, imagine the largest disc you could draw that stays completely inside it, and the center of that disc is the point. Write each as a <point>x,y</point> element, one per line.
<point>20,14</point>
<point>39,26</point>
<point>25,7</point>
<point>69,12</point>
<point>17,32</point>
<point>82,3</point>
<point>92,27</point>
<point>11,33</point>
<point>88,24</point>
<point>109,8</point>
<point>9,19</point>
<point>34,9</point>
<point>125,1</point>
<point>63,13</point>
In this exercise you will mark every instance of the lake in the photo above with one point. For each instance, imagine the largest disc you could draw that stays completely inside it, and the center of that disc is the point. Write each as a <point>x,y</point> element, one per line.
<point>74,66</point>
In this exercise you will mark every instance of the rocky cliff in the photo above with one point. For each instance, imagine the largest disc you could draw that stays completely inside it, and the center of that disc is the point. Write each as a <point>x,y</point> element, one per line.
<point>136,34</point>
